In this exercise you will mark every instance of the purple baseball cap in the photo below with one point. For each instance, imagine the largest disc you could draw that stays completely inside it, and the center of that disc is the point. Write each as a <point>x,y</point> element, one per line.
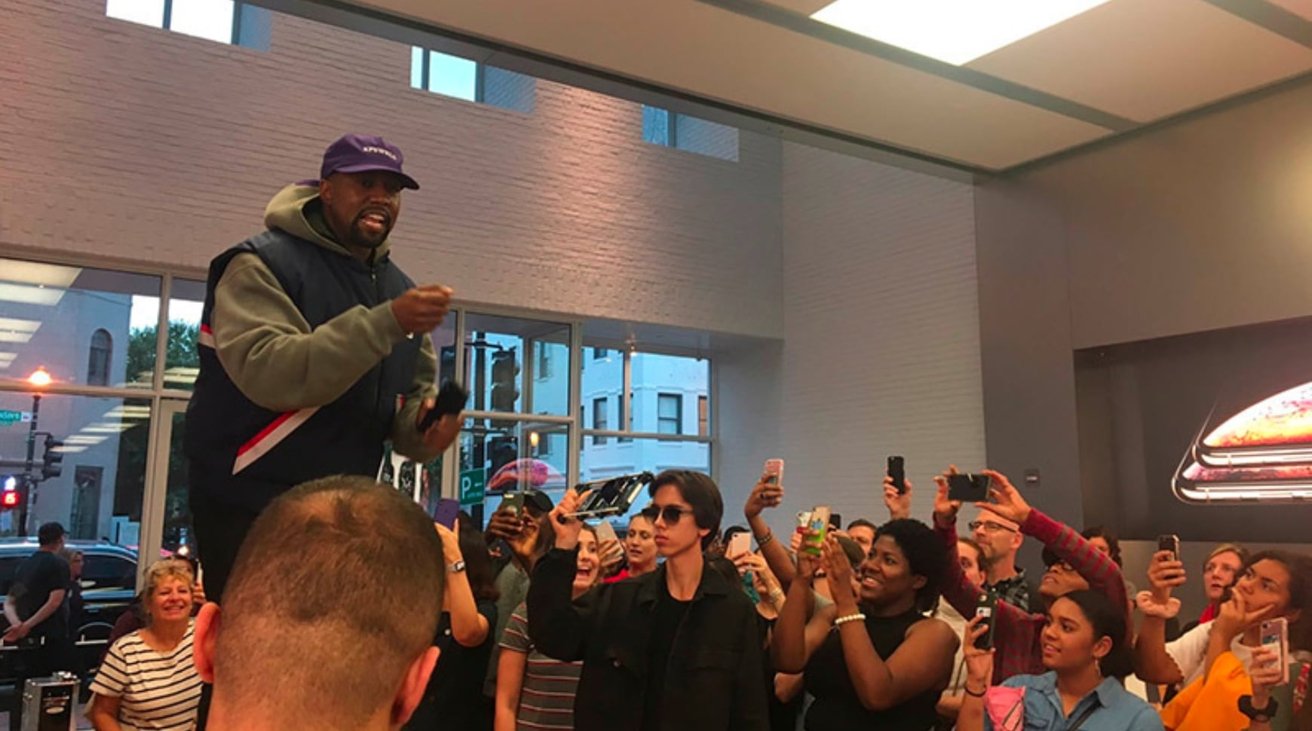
<point>354,153</point>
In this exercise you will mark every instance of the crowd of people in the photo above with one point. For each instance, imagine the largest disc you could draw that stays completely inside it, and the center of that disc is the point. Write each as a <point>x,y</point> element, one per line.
<point>348,608</point>
<point>333,602</point>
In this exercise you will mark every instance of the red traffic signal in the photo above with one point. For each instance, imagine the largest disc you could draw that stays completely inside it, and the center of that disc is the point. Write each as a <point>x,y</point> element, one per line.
<point>10,499</point>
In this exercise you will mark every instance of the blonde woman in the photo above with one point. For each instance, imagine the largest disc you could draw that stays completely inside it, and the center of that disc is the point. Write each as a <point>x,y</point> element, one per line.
<point>148,679</point>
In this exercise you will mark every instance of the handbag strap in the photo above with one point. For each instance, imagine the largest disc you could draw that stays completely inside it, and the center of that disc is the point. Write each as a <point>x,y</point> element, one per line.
<point>1083,717</point>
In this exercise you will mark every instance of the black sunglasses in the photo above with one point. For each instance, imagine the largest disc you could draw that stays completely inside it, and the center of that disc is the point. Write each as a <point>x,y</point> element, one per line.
<point>671,513</point>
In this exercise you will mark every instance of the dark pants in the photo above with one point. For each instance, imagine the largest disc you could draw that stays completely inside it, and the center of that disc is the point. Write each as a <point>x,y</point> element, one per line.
<point>39,661</point>
<point>220,529</point>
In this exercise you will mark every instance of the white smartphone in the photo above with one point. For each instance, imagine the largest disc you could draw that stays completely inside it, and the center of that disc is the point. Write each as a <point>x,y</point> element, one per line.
<point>739,544</point>
<point>606,532</point>
<point>1275,635</point>
<point>774,471</point>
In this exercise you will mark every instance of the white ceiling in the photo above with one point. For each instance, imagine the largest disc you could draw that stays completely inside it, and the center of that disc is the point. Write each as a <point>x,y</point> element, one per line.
<point>1120,66</point>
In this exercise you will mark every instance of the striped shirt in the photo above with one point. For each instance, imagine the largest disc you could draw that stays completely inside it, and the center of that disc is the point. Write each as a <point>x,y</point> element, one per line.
<point>546,699</point>
<point>157,690</point>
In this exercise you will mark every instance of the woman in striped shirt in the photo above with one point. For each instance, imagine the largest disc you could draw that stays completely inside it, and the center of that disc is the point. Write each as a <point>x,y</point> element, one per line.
<point>535,691</point>
<point>148,679</point>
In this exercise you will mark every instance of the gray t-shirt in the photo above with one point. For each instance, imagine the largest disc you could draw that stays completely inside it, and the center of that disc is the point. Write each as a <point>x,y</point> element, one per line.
<point>512,582</point>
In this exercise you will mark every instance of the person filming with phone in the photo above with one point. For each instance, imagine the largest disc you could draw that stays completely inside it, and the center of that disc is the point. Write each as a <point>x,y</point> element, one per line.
<point>1074,565</point>
<point>871,659</point>
<point>1268,607</point>
<point>1086,656</point>
<point>677,648</point>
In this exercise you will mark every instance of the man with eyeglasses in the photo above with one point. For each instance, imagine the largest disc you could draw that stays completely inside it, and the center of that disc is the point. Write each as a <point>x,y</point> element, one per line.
<point>1073,564</point>
<point>999,540</point>
<point>681,645</point>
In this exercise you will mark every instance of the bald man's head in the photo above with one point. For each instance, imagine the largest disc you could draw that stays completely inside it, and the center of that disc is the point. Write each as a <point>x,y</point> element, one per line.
<point>332,604</point>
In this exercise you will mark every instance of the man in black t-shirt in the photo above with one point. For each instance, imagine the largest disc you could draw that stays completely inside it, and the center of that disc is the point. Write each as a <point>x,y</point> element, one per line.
<point>38,616</point>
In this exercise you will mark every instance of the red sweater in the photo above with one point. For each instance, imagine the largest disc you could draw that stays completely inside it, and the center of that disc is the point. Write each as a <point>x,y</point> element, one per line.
<point>1017,636</point>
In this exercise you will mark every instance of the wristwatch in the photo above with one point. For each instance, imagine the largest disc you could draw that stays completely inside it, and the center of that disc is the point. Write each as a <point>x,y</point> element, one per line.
<point>458,566</point>
<point>1262,715</point>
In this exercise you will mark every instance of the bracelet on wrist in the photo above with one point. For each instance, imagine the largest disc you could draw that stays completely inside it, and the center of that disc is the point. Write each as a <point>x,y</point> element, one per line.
<point>763,541</point>
<point>966,687</point>
<point>858,617</point>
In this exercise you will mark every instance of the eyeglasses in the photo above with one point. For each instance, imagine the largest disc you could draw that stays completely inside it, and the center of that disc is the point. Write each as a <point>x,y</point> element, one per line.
<point>671,513</point>
<point>1060,565</point>
<point>989,526</point>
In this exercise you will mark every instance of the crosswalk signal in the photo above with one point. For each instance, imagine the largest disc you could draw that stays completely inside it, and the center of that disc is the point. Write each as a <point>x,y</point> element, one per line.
<point>10,497</point>
<point>52,458</point>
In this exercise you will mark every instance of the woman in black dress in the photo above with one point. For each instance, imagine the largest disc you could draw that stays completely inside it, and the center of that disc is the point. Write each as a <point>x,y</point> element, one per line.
<point>872,659</point>
<point>454,699</point>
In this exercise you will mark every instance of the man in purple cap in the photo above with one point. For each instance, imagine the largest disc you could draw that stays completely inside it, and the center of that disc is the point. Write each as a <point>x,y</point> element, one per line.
<point>314,350</point>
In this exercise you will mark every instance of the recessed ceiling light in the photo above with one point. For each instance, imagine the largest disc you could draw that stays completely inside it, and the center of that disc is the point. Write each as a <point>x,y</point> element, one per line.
<point>31,272</point>
<point>29,295</point>
<point>14,330</point>
<point>955,31</point>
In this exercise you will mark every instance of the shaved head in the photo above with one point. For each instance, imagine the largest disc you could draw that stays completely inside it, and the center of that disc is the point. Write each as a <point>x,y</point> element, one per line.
<point>335,594</point>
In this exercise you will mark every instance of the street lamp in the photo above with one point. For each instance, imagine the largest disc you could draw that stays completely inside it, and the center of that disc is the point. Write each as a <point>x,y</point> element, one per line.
<point>38,380</point>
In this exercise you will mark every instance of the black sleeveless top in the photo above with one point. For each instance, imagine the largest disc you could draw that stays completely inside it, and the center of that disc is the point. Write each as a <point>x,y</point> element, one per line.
<point>836,703</point>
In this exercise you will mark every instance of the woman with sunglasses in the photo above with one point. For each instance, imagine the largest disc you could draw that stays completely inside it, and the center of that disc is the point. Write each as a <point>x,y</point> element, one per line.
<point>872,659</point>
<point>676,648</point>
<point>1086,656</point>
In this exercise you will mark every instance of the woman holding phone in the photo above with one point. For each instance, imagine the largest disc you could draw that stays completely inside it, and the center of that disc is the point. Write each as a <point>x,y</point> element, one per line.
<point>1087,656</point>
<point>872,659</point>
<point>535,691</point>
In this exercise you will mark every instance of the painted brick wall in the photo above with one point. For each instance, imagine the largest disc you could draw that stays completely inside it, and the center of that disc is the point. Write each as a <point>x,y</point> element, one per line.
<point>123,141</point>
<point>881,331</point>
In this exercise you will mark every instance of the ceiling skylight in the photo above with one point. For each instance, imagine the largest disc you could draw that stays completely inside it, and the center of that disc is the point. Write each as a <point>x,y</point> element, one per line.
<point>955,31</point>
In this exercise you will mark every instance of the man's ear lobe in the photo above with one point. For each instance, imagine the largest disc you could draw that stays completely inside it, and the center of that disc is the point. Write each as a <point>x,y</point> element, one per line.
<point>204,636</point>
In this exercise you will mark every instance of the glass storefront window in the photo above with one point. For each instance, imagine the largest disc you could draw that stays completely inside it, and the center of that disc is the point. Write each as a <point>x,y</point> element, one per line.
<point>510,456</point>
<point>517,365</point>
<point>86,327</point>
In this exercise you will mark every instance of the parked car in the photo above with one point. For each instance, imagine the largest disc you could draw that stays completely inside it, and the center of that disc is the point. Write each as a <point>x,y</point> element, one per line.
<point>109,583</point>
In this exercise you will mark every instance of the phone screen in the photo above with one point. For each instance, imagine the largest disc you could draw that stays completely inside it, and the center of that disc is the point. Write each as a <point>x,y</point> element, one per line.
<point>774,471</point>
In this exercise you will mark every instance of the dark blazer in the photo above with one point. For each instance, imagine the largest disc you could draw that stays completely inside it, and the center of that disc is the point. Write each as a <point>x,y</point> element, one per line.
<point>713,677</point>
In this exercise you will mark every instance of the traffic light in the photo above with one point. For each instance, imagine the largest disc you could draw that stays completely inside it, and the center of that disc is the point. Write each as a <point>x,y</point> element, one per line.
<point>52,458</point>
<point>505,381</point>
<point>10,497</point>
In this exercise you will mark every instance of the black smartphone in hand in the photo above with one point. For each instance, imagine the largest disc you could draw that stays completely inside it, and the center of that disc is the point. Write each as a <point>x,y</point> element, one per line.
<point>897,471</point>
<point>1169,542</point>
<point>450,400</point>
<point>968,488</point>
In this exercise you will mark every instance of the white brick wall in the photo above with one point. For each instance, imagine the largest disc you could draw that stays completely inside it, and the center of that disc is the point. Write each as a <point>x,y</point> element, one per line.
<point>124,141</point>
<point>127,142</point>
<point>881,326</point>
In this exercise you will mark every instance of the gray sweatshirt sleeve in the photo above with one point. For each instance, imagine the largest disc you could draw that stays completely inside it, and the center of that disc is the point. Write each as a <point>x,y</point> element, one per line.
<point>275,358</point>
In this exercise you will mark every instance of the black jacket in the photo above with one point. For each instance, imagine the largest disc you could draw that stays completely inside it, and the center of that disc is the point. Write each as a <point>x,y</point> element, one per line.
<point>713,677</point>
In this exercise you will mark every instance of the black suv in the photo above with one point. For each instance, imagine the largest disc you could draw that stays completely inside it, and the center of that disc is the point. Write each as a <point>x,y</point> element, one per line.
<point>109,583</point>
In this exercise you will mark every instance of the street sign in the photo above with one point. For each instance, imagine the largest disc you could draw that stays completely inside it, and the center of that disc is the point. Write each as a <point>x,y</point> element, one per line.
<point>472,486</point>
<point>9,416</point>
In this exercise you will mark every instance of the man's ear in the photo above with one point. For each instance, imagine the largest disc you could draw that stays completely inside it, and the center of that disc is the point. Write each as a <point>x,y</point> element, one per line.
<point>205,634</point>
<point>413,686</point>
